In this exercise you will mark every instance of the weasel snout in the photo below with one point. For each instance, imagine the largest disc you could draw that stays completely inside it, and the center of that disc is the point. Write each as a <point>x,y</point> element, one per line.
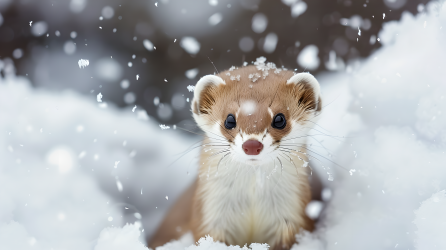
<point>252,147</point>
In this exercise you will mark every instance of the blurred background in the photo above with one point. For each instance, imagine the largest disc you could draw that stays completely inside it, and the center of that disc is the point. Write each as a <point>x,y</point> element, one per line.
<point>146,53</point>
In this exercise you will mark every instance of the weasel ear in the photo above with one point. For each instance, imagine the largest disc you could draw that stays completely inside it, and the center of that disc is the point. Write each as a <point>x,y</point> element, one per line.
<point>205,93</point>
<point>307,91</point>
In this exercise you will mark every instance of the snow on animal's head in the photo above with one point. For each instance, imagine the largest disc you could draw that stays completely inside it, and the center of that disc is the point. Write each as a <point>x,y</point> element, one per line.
<point>256,110</point>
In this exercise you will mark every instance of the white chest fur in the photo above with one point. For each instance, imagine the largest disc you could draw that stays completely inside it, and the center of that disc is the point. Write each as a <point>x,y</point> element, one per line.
<point>245,204</point>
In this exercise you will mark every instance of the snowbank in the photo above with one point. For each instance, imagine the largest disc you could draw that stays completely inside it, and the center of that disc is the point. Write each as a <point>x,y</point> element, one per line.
<point>69,168</point>
<point>396,144</point>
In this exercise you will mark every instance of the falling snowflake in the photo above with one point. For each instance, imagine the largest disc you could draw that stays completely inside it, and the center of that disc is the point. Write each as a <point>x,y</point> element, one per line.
<point>133,109</point>
<point>191,88</point>
<point>99,97</point>
<point>119,186</point>
<point>352,171</point>
<point>83,63</point>
<point>163,127</point>
<point>116,164</point>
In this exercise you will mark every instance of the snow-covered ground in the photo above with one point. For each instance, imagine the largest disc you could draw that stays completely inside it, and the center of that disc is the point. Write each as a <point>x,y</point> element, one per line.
<point>70,167</point>
<point>72,172</point>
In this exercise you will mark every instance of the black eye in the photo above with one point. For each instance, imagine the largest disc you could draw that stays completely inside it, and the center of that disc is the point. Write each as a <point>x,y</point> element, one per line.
<point>279,121</point>
<point>230,122</point>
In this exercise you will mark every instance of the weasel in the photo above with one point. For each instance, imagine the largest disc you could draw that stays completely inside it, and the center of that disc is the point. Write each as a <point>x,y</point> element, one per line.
<point>253,182</point>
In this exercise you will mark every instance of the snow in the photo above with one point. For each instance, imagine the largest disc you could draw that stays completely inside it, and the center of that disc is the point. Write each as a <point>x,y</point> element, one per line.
<point>259,23</point>
<point>108,69</point>
<point>38,28</point>
<point>108,12</point>
<point>298,9</point>
<point>190,45</point>
<point>120,238</point>
<point>125,84</point>
<point>246,44</point>
<point>207,243</point>
<point>77,6</point>
<point>248,107</point>
<point>392,141</point>
<point>270,42</point>
<point>191,73</point>
<point>57,177</point>
<point>191,88</point>
<point>382,134</point>
<point>213,2</point>
<point>314,209</point>
<point>99,97</point>
<point>215,19</point>
<point>308,57</point>
<point>147,44</point>
<point>83,63</point>
<point>430,220</point>
<point>129,98</point>
<point>69,47</point>
<point>164,127</point>
<point>17,53</point>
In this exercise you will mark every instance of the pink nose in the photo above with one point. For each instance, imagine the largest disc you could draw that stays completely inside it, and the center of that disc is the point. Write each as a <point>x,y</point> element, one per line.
<point>252,147</point>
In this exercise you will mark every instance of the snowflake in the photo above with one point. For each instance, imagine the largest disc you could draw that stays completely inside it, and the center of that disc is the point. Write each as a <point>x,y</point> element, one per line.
<point>99,97</point>
<point>233,78</point>
<point>83,63</point>
<point>254,77</point>
<point>191,88</point>
<point>232,68</point>
<point>163,127</point>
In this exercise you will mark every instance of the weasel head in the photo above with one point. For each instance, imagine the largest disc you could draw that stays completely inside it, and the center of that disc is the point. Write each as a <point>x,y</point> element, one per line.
<point>258,113</point>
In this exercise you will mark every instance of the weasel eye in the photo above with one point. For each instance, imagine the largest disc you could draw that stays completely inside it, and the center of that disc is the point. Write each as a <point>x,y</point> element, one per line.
<point>230,122</point>
<point>279,121</point>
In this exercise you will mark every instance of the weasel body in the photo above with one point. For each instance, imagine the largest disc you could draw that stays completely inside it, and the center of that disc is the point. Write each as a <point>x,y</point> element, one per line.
<point>253,176</point>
